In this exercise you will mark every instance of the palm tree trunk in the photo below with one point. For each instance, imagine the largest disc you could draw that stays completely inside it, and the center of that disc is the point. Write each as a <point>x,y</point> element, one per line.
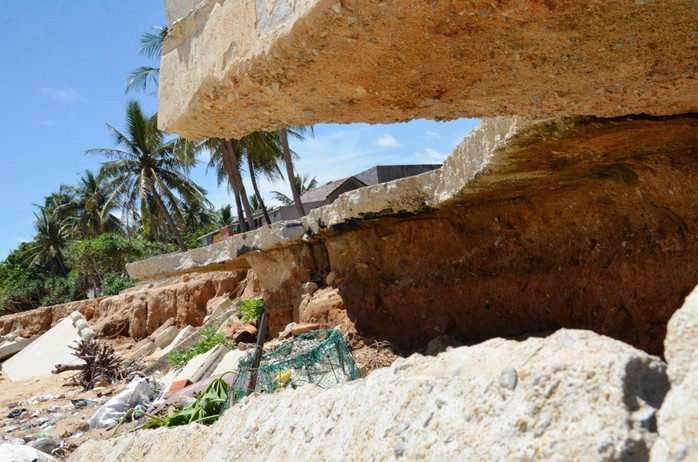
<point>238,204</point>
<point>232,169</point>
<point>170,221</point>
<point>236,172</point>
<point>250,166</point>
<point>227,167</point>
<point>290,174</point>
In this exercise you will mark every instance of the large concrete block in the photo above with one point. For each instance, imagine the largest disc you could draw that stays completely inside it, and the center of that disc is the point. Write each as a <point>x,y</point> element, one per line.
<point>230,67</point>
<point>53,347</point>
<point>573,395</point>
<point>10,348</point>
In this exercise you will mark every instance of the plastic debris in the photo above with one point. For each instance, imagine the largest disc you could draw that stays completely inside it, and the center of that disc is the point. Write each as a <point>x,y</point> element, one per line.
<point>16,413</point>
<point>141,391</point>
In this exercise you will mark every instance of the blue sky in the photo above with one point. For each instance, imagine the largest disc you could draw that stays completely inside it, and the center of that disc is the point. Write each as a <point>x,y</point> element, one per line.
<point>64,68</point>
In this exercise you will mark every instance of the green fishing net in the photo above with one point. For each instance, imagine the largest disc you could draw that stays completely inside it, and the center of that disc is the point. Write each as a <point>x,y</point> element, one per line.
<point>320,357</point>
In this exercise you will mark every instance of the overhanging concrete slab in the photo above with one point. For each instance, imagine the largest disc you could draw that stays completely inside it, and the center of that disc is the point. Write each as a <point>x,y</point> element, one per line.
<point>230,67</point>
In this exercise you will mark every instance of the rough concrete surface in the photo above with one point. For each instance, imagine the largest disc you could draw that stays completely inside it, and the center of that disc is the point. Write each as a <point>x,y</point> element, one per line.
<point>53,347</point>
<point>529,226</point>
<point>221,256</point>
<point>677,420</point>
<point>235,66</point>
<point>574,395</point>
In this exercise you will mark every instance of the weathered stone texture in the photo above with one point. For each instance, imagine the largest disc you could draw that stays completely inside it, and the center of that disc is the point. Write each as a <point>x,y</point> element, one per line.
<point>231,67</point>
<point>572,396</point>
<point>678,418</point>
<point>530,225</point>
<point>221,256</point>
<point>139,312</point>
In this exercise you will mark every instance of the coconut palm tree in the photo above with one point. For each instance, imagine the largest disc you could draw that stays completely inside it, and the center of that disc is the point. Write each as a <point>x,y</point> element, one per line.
<point>94,211</point>
<point>301,184</point>
<point>51,239</point>
<point>225,215</point>
<point>226,165</point>
<point>151,47</point>
<point>149,173</point>
<point>261,152</point>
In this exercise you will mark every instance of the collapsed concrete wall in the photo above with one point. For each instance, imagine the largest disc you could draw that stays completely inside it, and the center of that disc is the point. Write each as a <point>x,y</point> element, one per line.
<point>230,67</point>
<point>529,226</point>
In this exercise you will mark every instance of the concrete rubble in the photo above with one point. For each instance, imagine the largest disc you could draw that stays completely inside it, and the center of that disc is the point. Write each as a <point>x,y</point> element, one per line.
<point>53,347</point>
<point>677,420</point>
<point>569,396</point>
<point>13,345</point>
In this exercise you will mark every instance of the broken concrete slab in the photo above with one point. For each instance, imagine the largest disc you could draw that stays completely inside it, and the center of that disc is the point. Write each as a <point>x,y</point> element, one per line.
<point>677,419</point>
<point>51,348</point>
<point>167,336</point>
<point>237,66</point>
<point>573,395</point>
<point>9,348</point>
<point>183,335</point>
<point>146,350</point>
<point>222,256</point>
<point>229,362</point>
<point>198,366</point>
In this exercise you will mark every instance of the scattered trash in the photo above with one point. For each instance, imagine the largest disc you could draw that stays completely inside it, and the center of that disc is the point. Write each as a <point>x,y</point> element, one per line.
<point>16,413</point>
<point>141,391</point>
<point>83,403</point>
<point>45,445</point>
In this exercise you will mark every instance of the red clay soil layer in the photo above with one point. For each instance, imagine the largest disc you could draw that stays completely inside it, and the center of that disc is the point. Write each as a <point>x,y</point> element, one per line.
<point>605,239</point>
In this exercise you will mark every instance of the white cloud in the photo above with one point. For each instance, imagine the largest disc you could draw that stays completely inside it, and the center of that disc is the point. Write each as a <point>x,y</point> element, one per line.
<point>68,96</point>
<point>388,141</point>
<point>21,239</point>
<point>430,155</point>
<point>433,134</point>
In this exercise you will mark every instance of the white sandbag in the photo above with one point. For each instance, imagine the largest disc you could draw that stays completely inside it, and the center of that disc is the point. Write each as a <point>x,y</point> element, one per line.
<point>140,392</point>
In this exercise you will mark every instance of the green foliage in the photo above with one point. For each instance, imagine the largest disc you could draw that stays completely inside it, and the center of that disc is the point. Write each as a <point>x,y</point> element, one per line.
<point>250,310</point>
<point>20,288</point>
<point>206,408</point>
<point>64,289</point>
<point>191,240</point>
<point>113,283</point>
<point>210,339</point>
<point>97,262</point>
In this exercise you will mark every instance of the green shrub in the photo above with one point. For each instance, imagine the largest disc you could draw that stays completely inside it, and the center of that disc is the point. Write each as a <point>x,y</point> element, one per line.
<point>64,289</point>
<point>114,283</point>
<point>210,339</point>
<point>250,310</point>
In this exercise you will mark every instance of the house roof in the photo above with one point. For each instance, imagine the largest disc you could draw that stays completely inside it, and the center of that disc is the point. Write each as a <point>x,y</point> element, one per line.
<point>321,193</point>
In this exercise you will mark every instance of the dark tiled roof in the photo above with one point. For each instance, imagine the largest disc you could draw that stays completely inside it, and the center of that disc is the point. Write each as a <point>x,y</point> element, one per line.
<point>321,193</point>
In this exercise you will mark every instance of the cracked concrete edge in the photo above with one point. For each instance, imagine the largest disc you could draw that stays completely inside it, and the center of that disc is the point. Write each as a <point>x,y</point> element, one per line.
<point>476,154</point>
<point>225,255</point>
<point>478,151</point>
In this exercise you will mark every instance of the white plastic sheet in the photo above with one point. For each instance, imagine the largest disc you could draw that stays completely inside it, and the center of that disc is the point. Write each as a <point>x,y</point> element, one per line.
<point>140,392</point>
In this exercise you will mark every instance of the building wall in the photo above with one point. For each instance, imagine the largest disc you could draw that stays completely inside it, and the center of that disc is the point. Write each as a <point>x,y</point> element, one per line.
<point>351,184</point>
<point>385,173</point>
